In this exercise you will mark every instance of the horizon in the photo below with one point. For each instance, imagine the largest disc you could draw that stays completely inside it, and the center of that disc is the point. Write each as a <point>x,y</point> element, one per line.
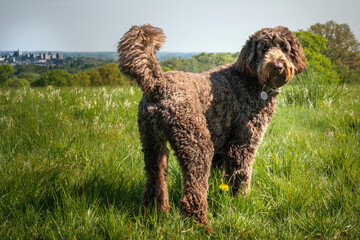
<point>161,55</point>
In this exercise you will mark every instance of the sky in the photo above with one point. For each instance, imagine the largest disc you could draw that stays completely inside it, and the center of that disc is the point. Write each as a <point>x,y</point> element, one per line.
<point>190,25</point>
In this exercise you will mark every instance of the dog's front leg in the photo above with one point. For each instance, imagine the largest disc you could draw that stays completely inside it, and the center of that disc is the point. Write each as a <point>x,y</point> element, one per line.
<point>239,167</point>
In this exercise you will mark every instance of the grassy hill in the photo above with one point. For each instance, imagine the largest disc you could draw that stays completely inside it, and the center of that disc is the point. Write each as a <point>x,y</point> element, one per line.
<point>71,167</point>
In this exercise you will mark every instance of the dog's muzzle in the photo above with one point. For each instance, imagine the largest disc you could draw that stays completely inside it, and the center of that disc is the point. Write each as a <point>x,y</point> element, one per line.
<point>276,80</point>
<point>276,69</point>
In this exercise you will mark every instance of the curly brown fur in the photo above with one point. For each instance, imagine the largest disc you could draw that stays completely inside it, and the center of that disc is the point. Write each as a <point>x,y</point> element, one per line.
<point>217,115</point>
<point>137,58</point>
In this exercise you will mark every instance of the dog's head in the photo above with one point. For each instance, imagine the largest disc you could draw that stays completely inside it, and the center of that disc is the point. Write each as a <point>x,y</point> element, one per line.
<point>273,56</point>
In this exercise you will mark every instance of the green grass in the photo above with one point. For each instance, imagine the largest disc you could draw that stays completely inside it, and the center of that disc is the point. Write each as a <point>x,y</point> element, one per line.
<point>71,168</point>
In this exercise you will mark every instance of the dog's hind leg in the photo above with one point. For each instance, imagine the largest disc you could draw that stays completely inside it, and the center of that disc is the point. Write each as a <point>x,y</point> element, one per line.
<point>194,150</point>
<point>156,156</point>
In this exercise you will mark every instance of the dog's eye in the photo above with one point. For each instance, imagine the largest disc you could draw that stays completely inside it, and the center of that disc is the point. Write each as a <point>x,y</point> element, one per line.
<point>265,49</point>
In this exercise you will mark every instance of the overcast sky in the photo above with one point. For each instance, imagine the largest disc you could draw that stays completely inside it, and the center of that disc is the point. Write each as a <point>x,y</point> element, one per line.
<point>190,25</point>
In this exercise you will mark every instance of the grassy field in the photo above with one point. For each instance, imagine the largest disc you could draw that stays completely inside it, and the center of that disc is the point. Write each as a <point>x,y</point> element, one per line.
<point>71,168</point>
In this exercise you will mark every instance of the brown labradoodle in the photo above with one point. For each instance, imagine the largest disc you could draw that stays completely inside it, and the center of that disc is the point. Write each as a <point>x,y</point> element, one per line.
<point>218,117</point>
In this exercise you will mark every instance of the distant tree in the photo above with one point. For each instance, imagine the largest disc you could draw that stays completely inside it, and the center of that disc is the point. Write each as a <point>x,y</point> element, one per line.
<point>110,74</point>
<point>341,47</point>
<point>204,59</point>
<point>82,79</point>
<point>18,82</point>
<point>38,83</point>
<point>6,72</point>
<point>31,77</point>
<point>57,78</point>
<point>223,58</point>
<point>77,62</point>
<point>167,68</point>
<point>95,78</point>
<point>20,69</point>
<point>31,68</point>
<point>314,47</point>
<point>198,63</point>
<point>311,41</point>
<point>235,55</point>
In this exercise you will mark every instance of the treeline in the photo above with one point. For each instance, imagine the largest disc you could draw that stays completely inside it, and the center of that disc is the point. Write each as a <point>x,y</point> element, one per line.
<point>198,63</point>
<point>70,64</point>
<point>108,74</point>
<point>81,64</point>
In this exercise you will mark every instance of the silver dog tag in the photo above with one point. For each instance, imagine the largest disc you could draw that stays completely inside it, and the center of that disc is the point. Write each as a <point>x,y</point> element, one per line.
<point>263,95</point>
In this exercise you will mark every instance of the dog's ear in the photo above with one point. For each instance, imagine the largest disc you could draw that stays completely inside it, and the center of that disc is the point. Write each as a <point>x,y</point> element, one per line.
<point>297,54</point>
<point>244,63</point>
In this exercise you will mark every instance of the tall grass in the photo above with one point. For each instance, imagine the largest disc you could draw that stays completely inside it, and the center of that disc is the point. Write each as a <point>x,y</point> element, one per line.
<point>71,167</point>
<point>313,88</point>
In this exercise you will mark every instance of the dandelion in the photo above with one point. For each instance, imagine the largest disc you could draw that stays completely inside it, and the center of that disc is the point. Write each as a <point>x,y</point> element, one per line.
<point>224,187</point>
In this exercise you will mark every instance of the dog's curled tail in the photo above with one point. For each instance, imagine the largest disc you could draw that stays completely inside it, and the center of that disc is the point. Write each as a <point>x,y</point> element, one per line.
<point>137,57</point>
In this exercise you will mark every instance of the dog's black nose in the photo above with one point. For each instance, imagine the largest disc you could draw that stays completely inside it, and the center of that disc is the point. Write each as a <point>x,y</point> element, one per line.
<point>278,67</point>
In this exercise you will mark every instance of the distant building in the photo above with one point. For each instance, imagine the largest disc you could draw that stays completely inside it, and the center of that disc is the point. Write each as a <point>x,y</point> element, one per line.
<point>18,53</point>
<point>60,56</point>
<point>47,56</point>
<point>41,58</point>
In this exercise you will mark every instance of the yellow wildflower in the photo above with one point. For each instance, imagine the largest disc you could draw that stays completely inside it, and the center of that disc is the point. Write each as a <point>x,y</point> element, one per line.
<point>224,187</point>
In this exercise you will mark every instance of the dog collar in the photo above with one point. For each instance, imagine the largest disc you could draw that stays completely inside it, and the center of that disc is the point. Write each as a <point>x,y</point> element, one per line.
<point>267,91</point>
